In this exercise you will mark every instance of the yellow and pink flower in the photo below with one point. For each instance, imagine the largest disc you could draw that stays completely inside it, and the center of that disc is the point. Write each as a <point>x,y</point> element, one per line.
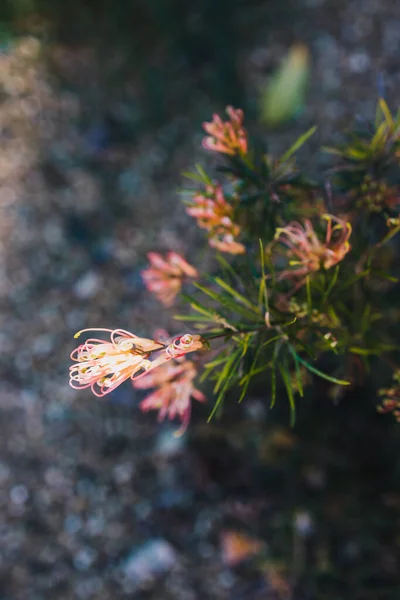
<point>165,276</point>
<point>215,214</point>
<point>306,253</point>
<point>237,547</point>
<point>391,398</point>
<point>174,383</point>
<point>103,365</point>
<point>226,137</point>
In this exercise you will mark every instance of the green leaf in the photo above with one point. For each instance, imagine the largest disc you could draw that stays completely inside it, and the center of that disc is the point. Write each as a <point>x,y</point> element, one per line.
<point>251,372</point>
<point>230,374</point>
<point>263,292</point>
<point>355,279</point>
<point>317,371</point>
<point>308,291</point>
<point>331,284</point>
<point>228,302</point>
<point>273,339</point>
<point>379,140</point>
<point>289,391</point>
<point>284,95</point>
<point>198,306</point>
<point>297,144</point>
<point>386,112</point>
<point>227,368</point>
<point>298,378</point>
<point>235,294</point>
<point>193,318</point>
<point>273,387</point>
<point>389,236</point>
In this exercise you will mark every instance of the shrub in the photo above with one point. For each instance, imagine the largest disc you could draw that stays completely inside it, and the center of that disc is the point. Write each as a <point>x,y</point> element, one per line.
<point>303,270</point>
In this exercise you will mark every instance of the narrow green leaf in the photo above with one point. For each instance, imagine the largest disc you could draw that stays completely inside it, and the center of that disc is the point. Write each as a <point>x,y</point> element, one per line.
<point>379,139</point>
<point>317,371</point>
<point>371,351</point>
<point>227,367</point>
<point>273,339</point>
<point>390,235</point>
<point>235,294</point>
<point>251,372</point>
<point>385,276</point>
<point>298,378</point>
<point>308,291</point>
<point>263,292</point>
<point>192,318</point>
<point>284,95</point>
<point>198,306</point>
<point>273,388</point>
<point>193,177</point>
<point>386,112</point>
<point>298,144</point>
<point>226,301</point>
<point>355,279</point>
<point>234,364</point>
<point>331,284</point>
<point>226,266</point>
<point>202,173</point>
<point>289,391</point>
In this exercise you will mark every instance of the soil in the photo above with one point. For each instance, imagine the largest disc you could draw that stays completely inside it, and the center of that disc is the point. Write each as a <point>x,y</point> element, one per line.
<point>97,499</point>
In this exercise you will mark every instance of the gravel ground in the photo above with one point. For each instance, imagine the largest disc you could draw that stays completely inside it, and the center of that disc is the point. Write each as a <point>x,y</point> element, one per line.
<point>97,500</point>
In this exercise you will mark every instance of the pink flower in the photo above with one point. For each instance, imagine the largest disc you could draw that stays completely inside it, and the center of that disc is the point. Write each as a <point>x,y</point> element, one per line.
<point>164,277</point>
<point>391,398</point>
<point>227,137</point>
<point>305,251</point>
<point>215,214</point>
<point>237,547</point>
<point>104,365</point>
<point>226,243</point>
<point>175,389</point>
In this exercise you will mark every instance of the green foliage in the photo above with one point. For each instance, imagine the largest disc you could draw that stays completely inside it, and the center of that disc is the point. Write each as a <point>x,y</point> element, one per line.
<point>310,285</point>
<point>284,95</point>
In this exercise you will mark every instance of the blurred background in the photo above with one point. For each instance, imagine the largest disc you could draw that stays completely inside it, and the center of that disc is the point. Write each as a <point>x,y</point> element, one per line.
<point>101,105</point>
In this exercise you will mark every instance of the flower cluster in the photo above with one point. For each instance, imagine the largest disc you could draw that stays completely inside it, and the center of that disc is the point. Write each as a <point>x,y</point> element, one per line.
<point>104,365</point>
<point>227,137</point>
<point>377,195</point>
<point>165,276</point>
<point>174,383</point>
<point>391,398</point>
<point>282,307</point>
<point>215,214</point>
<point>306,253</point>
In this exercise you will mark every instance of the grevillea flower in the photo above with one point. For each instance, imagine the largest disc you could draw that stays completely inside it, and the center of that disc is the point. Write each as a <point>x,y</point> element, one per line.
<point>391,398</point>
<point>165,276</point>
<point>237,547</point>
<point>227,137</point>
<point>104,365</point>
<point>215,214</point>
<point>307,253</point>
<point>174,383</point>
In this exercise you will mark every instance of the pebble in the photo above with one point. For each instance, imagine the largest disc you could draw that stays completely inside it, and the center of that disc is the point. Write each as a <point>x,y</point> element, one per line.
<point>87,285</point>
<point>150,560</point>
<point>168,444</point>
<point>84,559</point>
<point>19,494</point>
<point>73,524</point>
<point>359,62</point>
<point>123,473</point>
<point>303,523</point>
